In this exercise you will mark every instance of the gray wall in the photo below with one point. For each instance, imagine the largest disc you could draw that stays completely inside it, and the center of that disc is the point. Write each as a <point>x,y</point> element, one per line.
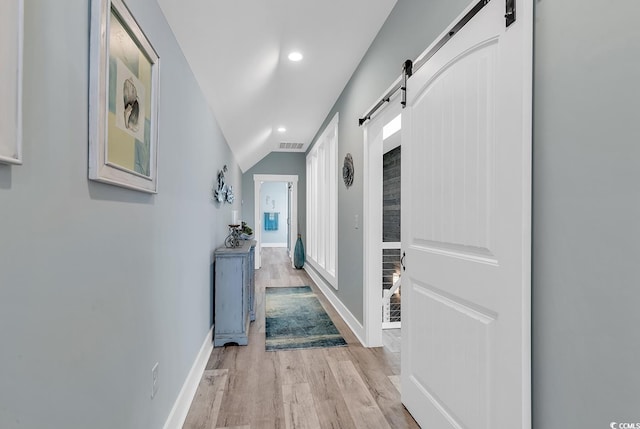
<point>287,163</point>
<point>586,288</point>
<point>97,282</point>
<point>410,28</point>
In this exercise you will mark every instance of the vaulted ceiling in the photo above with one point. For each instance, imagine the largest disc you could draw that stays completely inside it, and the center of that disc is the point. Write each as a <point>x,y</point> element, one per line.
<point>238,51</point>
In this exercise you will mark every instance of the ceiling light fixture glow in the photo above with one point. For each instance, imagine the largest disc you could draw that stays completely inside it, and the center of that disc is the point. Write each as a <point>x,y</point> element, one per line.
<point>282,129</point>
<point>295,56</point>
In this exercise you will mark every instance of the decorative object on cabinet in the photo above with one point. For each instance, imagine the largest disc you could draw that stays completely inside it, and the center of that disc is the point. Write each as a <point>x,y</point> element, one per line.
<point>295,319</point>
<point>246,232</point>
<point>347,170</point>
<point>234,289</point>
<point>11,42</point>
<point>298,254</point>
<point>233,239</point>
<point>123,107</point>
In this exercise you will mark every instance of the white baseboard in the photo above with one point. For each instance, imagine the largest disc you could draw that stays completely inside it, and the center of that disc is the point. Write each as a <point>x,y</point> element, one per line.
<point>328,278</point>
<point>343,311</point>
<point>274,244</point>
<point>178,413</point>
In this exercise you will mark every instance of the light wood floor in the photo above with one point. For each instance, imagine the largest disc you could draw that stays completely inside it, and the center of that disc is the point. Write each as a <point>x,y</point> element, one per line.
<point>246,387</point>
<point>392,341</point>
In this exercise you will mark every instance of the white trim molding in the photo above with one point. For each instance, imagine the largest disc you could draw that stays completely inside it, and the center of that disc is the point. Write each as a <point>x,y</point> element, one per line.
<point>343,311</point>
<point>322,203</point>
<point>181,406</point>
<point>11,56</point>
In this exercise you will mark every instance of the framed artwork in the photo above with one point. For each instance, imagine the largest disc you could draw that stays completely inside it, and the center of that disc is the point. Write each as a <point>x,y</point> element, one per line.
<point>123,106</point>
<point>11,31</point>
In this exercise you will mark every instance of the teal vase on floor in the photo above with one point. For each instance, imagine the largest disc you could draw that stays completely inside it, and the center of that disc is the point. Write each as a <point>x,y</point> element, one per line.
<point>298,254</point>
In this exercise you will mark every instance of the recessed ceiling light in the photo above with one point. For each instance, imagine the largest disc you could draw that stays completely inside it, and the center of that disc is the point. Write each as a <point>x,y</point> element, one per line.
<point>282,129</point>
<point>295,56</point>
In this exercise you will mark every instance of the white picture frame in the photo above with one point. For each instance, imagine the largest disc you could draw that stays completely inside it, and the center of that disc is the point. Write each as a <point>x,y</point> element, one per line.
<point>123,101</point>
<point>11,42</point>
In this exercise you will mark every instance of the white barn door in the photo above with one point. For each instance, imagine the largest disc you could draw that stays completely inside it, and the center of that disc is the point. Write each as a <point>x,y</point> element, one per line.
<point>466,219</point>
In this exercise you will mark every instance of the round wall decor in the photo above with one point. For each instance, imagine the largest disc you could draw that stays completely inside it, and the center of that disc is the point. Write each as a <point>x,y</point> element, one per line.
<point>347,170</point>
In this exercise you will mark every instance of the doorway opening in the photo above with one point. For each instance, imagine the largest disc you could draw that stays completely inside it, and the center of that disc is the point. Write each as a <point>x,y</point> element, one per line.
<point>381,222</point>
<point>391,245</point>
<point>391,241</point>
<point>274,209</point>
<point>275,213</point>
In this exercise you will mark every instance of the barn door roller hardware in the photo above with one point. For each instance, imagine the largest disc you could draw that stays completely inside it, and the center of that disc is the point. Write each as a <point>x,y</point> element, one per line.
<point>409,67</point>
<point>510,14</point>
<point>407,71</point>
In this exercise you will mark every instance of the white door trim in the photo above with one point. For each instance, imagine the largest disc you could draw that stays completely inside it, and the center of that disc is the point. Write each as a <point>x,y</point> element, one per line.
<point>258,179</point>
<point>372,222</point>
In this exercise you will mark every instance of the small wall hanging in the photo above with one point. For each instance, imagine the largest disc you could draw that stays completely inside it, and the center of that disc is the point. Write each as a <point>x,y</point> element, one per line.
<point>223,192</point>
<point>229,197</point>
<point>347,170</point>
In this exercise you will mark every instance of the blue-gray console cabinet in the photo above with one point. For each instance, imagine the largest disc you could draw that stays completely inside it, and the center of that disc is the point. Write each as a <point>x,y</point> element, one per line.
<point>234,290</point>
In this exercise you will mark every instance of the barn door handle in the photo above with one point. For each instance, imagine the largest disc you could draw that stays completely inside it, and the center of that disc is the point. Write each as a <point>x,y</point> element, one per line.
<point>402,261</point>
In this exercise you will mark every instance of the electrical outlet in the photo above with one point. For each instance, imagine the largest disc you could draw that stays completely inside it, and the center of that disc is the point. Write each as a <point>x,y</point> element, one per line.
<point>154,380</point>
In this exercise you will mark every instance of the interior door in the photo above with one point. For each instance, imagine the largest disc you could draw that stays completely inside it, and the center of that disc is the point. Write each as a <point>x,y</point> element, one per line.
<point>466,219</point>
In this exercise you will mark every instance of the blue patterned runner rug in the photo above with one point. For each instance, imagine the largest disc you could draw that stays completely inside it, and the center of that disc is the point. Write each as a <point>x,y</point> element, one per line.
<point>297,320</point>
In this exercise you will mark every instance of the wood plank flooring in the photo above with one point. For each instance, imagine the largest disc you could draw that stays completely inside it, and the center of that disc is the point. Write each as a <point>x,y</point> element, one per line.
<point>246,387</point>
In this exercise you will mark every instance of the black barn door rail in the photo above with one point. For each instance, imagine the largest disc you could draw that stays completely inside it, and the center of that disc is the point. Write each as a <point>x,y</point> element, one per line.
<point>409,67</point>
